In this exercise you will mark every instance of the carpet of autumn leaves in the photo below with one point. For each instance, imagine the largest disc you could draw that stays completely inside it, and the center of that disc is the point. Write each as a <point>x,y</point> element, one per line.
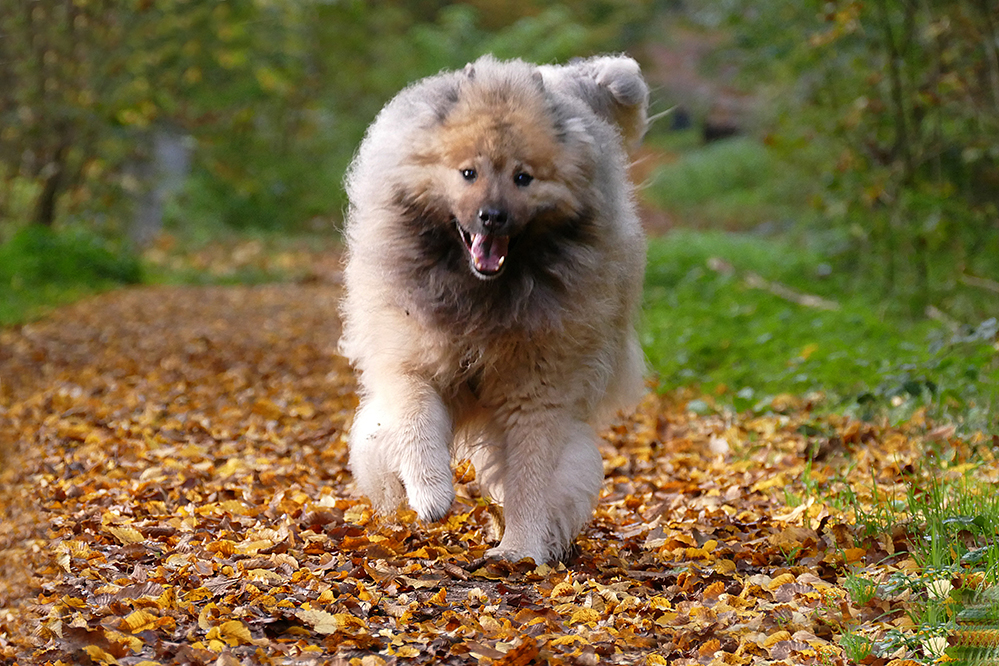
<point>175,490</point>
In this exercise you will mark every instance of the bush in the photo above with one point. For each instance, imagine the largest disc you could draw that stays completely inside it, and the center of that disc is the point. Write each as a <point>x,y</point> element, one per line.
<point>37,256</point>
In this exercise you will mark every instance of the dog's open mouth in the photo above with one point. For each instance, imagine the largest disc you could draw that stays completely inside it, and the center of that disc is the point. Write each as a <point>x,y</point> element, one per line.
<point>487,252</point>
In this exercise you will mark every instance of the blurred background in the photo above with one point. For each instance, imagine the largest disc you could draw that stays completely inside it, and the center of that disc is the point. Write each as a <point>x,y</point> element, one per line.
<point>839,150</point>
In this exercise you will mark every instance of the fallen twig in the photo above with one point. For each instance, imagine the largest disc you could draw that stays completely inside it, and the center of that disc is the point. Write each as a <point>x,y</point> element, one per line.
<point>755,281</point>
<point>939,315</point>
<point>981,283</point>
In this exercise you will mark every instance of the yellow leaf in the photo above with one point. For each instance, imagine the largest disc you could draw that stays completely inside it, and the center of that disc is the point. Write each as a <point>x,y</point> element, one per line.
<point>407,652</point>
<point>223,547</point>
<point>232,467</point>
<point>694,553</point>
<point>133,643</point>
<point>328,623</point>
<point>568,639</point>
<point>660,603</point>
<point>666,619</point>
<point>74,602</point>
<point>254,547</point>
<point>63,559</point>
<point>265,575</point>
<point>766,484</point>
<point>210,610</point>
<point>563,589</point>
<point>656,660</point>
<point>235,633</point>
<point>464,472</point>
<point>75,431</point>
<point>439,599</point>
<point>125,535</point>
<point>773,639</point>
<point>782,579</point>
<point>268,409</point>
<point>582,615</point>
<point>961,470</point>
<point>138,621</point>
<point>724,567</point>
<point>97,654</point>
<point>709,648</point>
<point>522,654</point>
<point>359,514</point>
<point>543,569</point>
<point>854,554</point>
<point>714,590</point>
<point>168,599</point>
<point>235,507</point>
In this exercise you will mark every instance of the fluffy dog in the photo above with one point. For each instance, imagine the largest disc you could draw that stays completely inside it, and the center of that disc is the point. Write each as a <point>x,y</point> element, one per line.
<point>493,270</point>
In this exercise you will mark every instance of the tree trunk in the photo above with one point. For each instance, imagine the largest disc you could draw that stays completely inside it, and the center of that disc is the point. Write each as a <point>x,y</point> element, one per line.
<point>52,175</point>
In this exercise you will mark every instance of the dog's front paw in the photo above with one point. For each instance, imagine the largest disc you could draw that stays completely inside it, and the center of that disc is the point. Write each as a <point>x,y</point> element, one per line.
<point>540,556</point>
<point>431,499</point>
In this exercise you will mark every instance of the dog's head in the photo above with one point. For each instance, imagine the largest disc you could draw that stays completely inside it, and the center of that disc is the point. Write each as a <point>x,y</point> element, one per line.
<point>502,164</point>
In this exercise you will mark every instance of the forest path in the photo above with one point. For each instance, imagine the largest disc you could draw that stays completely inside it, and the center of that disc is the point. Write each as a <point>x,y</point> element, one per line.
<point>175,490</point>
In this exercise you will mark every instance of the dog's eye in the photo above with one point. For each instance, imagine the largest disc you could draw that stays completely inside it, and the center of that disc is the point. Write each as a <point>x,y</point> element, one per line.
<point>522,179</point>
<point>469,174</point>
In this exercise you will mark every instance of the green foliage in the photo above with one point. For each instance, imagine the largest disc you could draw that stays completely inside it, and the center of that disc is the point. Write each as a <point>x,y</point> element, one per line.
<point>895,105</point>
<point>35,256</point>
<point>860,588</point>
<point>277,95</point>
<point>39,267</point>
<point>855,647</point>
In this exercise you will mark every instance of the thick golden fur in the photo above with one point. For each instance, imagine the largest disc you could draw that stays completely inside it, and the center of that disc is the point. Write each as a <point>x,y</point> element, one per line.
<point>494,267</point>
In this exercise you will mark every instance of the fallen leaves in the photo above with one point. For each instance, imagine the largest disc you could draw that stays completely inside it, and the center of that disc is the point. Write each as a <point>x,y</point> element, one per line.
<point>176,490</point>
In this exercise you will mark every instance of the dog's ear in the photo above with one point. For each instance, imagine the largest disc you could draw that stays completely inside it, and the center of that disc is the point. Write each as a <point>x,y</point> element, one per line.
<point>538,79</point>
<point>610,85</point>
<point>620,78</point>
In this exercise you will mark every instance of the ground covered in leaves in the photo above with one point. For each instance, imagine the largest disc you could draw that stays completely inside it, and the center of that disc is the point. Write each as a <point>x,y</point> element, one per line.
<point>175,490</point>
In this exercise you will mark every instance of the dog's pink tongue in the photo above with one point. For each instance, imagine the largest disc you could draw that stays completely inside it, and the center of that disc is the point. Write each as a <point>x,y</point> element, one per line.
<point>489,252</point>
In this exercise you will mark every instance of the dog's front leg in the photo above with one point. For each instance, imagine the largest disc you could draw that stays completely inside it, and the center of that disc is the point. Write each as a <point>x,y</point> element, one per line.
<point>403,432</point>
<point>552,476</point>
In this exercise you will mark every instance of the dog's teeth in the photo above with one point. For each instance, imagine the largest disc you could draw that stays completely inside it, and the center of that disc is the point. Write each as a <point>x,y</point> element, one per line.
<point>501,260</point>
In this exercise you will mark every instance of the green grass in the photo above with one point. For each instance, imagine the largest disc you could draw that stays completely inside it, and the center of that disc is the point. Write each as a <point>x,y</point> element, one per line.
<point>41,268</point>
<point>952,528</point>
<point>734,184</point>
<point>713,328</point>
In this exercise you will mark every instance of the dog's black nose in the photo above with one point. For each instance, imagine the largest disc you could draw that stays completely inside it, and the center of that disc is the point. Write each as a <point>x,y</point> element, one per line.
<point>492,218</point>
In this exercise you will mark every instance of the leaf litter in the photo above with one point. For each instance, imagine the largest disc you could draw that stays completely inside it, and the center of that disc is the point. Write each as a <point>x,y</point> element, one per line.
<point>175,490</point>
